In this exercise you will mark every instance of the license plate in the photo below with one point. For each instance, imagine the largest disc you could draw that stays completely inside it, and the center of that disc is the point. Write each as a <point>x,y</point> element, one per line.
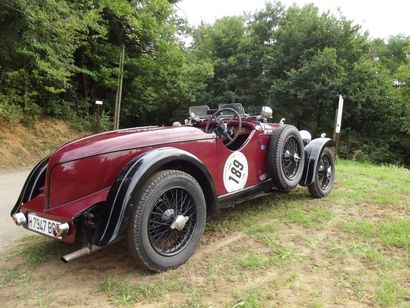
<point>42,225</point>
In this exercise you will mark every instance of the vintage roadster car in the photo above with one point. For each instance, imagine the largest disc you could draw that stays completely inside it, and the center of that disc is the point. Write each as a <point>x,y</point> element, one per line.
<point>155,186</point>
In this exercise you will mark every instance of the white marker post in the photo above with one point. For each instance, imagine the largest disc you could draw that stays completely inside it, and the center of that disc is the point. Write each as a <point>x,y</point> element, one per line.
<point>338,123</point>
<point>97,116</point>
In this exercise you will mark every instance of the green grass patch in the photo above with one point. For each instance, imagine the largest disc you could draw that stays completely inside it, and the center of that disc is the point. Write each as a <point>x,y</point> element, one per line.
<point>394,233</point>
<point>31,252</point>
<point>37,250</point>
<point>367,183</point>
<point>254,297</point>
<point>307,216</point>
<point>369,253</point>
<point>335,250</point>
<point>388,293</point>
<point>121,292</point>
<point>11,274</point>
<point>262,229</point>
<point>252,262</point>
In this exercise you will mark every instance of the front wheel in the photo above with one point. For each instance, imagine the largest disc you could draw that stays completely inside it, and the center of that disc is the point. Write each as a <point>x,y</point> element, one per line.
<point>324,175</point>
<point>168,220</point>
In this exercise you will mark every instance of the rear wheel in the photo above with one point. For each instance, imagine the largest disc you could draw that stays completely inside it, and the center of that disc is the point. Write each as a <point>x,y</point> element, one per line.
<point>286,158</point>
<point>168,220</point>
<point>324,175</point>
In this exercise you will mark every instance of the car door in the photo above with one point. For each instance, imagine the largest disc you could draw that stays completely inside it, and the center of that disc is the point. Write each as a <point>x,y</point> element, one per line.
<point>242,168</point>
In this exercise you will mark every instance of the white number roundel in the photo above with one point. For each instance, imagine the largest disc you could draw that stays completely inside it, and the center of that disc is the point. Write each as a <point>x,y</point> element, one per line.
<point>235,172</point>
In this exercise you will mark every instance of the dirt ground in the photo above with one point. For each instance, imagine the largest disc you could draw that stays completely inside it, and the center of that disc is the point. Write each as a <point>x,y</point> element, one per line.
<point>284,250</point>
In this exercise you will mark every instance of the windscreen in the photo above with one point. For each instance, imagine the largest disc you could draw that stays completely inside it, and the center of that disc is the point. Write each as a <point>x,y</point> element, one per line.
<point>199,111</point>
<point>235,106</point>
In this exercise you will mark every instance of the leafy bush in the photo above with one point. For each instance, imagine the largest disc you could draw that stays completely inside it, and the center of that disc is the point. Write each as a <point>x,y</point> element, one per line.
<point>360,156</point>
<point>11,113</point>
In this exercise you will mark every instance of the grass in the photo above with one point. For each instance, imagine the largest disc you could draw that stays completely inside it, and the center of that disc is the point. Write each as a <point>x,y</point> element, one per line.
<point>350,248</point>
<point>307,217</point>
<point>37,250</point>
<point>11,274</point>
<point>32,252</point>
<point>252,262</point>
<point>394,233</point>
<point>368,253</point>
<point>389,293</point>
<point>123,292</point>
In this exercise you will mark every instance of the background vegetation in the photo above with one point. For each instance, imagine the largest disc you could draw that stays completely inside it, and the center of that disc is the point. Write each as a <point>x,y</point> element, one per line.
<point>58,56</point>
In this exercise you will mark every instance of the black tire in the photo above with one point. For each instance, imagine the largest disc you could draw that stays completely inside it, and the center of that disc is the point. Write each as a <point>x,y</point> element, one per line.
<point>151,239</point>
<point>286,158</point>
<point>324,177</point>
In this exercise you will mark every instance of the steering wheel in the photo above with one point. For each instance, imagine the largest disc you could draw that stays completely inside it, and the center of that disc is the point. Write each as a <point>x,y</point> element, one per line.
<point>221,128</point>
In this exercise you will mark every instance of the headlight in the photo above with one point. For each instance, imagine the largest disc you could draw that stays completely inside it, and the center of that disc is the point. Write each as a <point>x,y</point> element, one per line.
<point>306,136</point>
<point>266,112</point>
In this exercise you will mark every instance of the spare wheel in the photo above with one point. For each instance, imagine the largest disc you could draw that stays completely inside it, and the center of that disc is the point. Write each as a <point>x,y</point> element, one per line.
<point>286,158</point>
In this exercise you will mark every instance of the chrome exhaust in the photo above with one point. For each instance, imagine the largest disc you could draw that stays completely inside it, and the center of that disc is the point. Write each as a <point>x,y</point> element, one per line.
<point>87,250</point>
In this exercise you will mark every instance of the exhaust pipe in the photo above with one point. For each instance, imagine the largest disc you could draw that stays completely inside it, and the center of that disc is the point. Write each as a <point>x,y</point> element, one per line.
<point>87,250</point>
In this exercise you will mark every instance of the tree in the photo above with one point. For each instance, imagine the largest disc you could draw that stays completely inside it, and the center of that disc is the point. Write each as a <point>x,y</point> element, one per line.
<point>58,57</point>
<point>38,41</point>
<point>224,46</point>
<point>298,61</point>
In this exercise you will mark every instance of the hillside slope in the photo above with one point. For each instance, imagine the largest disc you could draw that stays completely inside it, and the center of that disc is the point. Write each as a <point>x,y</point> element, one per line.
<point>24,146</point>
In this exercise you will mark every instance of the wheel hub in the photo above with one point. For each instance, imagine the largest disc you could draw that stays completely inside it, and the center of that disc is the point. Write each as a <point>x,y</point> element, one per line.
<point>167,215</point>
<point>179,222</point>
<point>329,172</point>
<point>296,157</point>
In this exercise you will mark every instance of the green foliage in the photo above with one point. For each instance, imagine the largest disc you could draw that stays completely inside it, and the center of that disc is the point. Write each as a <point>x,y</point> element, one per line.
<point>298,61</point>
<point>58,57</point>
<point>10,112</point>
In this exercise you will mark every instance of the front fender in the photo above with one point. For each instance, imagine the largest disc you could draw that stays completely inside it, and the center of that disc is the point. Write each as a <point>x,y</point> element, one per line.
<point>312,155</point>
<point>116,214</point>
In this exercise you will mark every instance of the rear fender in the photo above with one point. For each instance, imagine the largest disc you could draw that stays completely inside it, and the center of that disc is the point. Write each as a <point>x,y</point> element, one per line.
<point>34,182</point>
<point>116,214</point>
<point>312,154</point>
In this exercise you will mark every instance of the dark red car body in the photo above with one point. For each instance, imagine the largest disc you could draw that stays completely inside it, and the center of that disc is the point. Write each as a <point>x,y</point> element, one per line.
<point>88,182</point>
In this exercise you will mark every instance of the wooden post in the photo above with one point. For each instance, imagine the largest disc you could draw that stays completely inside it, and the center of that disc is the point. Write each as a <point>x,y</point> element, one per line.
<point>338,124</point>
<point>117,109</point>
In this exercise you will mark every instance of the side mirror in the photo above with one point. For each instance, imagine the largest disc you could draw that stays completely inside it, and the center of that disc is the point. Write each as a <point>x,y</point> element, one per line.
<point>266,112</point>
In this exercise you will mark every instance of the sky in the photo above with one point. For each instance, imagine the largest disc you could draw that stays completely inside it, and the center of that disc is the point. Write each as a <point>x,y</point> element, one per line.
<point>381,18</point>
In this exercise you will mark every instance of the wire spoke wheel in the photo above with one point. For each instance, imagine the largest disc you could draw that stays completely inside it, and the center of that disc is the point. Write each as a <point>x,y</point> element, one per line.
<point>324,172</point>
<point>286,158</point>
<point>291,158</point>
<point>324,175</point>
<point>168,220</point>
<point>172,221</point>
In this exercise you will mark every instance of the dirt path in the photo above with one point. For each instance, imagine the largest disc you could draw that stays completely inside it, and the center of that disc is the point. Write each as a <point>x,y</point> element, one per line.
<point>11,184</point>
